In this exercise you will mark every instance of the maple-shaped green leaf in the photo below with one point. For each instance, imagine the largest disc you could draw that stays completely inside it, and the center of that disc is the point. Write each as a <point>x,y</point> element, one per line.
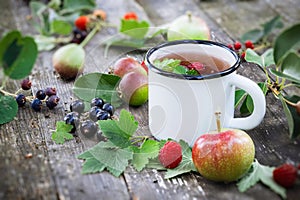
<point>186,165</point>
<point>119,131</point>
<point>141,156</point>
<point>105,155</point>
<point>133,28</point>
<point>259,172</point>
<point>8,108</point>
<point>61,134</point>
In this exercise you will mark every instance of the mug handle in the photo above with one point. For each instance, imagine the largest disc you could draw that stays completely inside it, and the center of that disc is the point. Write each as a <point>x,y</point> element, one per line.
<point>259,102</point>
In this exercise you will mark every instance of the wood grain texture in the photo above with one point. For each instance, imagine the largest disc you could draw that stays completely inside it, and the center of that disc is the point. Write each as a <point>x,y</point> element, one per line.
<point>53,171</point>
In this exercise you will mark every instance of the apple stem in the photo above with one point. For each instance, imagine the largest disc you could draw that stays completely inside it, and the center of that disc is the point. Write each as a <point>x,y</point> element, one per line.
<point>189,14</point>
<point>218,121</point>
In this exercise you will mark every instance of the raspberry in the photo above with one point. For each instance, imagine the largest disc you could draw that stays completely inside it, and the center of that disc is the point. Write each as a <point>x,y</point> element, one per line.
<point>82,23</point>
<point>197,66</point>
<point>21,100</point>
<point>237,45</point>
<point>285,175</point>
<point>26,84</point>
<point>170,155</point>
<point>249,44</point>
<point>130,16</point>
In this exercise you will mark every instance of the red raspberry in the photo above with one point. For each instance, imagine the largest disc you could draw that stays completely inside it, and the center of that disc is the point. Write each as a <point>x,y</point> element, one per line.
<point>197,66</point>
<point>170,155</point>
<point>249,44</point>
<point>130,16</point>
<point>82,22</point>
<point>237,45</point>
<point>285,175</point>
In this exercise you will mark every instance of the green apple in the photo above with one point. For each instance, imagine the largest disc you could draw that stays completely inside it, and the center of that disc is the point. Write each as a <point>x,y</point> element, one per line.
<point>188,27</point>
<point>68,61</point>
<point>224,155</point>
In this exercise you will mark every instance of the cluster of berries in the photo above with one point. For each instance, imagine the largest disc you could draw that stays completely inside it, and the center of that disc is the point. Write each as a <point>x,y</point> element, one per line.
<point>83,25</point>
<point>286,175</point>
<point>47,95</point>
<point>241,49</point>
<point>86,121</point>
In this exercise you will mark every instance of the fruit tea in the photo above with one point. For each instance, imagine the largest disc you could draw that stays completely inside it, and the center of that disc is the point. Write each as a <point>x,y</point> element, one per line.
<point>191,64</point>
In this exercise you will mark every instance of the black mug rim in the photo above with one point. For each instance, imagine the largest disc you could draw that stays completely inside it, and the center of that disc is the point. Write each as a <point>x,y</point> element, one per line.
<point>192,77</point>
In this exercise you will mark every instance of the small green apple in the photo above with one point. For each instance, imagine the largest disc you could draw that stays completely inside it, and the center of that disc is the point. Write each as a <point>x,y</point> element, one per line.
<point>188,27</point>
<point>224,155</point>
<point>134,88</point>
<point>68,61</point>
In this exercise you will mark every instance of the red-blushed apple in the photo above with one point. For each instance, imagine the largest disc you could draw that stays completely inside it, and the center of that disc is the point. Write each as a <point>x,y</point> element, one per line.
<point>224,155</point>
<point>134,88</point>
<point>68,61</point>
<point>188,27</point>
<point>127,64</point>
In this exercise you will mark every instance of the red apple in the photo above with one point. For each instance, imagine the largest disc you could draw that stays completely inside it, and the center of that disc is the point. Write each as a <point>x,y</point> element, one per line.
<point>127,64</point>
<point>224,155</point>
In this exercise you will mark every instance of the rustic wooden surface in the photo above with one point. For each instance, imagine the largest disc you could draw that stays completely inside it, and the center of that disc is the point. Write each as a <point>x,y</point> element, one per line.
<point>53,172</point>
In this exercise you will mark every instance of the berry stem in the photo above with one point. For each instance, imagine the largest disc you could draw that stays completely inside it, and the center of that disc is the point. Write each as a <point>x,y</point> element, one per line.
<point>90,35</point>
<point>218,121</point>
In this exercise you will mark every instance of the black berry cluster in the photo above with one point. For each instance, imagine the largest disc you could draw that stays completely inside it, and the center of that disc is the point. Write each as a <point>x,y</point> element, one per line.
<point>47,96</point>
<point>86,121</point>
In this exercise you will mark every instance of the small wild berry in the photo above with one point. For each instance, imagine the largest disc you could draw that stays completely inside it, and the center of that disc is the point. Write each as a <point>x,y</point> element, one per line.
<point>230,46</point>
<point>285,175</point>
<point>52,101</point>
<point>40,94</point>
<point>26,84</point>
<point>36,104</point>
<point>77,106</point>
<point>49,91</point>
<point>100,14</point>
<point>130,16</point>
<point>237,45</point>
<point>21,100</point>
<point>82,22</point>
<point>249,44</point>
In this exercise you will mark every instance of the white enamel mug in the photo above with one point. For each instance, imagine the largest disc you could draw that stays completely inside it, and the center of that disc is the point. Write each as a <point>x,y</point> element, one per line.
<point>184,106</point>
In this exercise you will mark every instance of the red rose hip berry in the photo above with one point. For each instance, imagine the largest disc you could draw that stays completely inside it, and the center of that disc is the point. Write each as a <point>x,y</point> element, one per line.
<point>249,44</point>
<point>82,23</point>
<point>285,175</point>
<point>170,155</point>
<point>237,45</point>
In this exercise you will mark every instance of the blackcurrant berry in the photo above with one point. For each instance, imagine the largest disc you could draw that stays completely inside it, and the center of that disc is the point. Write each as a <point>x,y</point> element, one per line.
<point>93,113</point>
<point>88,128</point>
<point>40,94</point>
<point>78,36</point>
<point>49,91</point>
<point>52,101</point>
<point>77,106</point>
<point>72,118</point>
<point>97,102</point>
<point>103,115</point>
<point>36,104</point>
<point>26,84</point>
<point>21,100</point>
<point>108,108</point>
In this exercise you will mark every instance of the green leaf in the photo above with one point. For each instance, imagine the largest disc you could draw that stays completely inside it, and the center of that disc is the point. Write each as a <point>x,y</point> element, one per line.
<point>61,134</point>
<point>239,97</point>
<point>286,41</point>
<point>180,70</point>
<point>253,35</point>
<point>102,156</point>
<point>167,64</point>
<point>282,75</point>
<point>295,132</point>
<point>261,173</point>
<point>141,156</point>
<point>252,56</point>
<point>119,132</point>
<point>17,55</point>
<point>288,115</point>
<point>268,58</point>
<point>8,108</point>
<point>291,66</point>
<point>45,43</point>
<point>276,22</point>
<point>186,165</point>
<point>71,6</point>
<point>101,85</point>
<point>60,27</point>
<point>134,28</point>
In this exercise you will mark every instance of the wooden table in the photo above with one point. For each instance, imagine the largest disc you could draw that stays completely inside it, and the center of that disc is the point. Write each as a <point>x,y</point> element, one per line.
<point>53,172</point>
